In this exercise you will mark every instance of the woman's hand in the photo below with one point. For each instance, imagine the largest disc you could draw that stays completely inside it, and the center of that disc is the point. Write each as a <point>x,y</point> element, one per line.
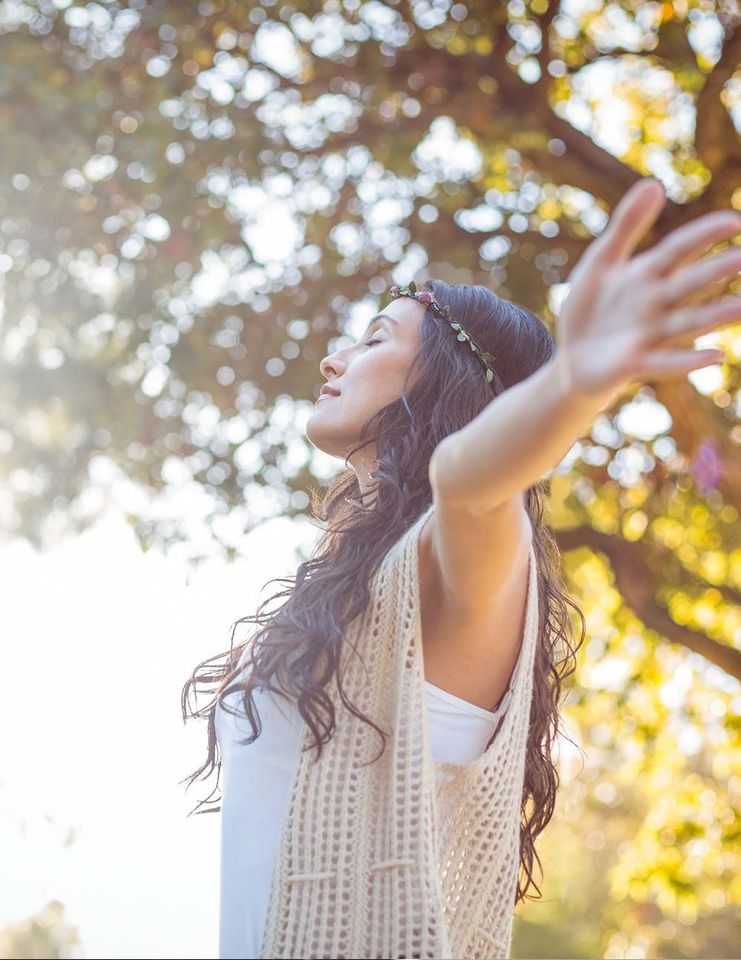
<point>623,315</point>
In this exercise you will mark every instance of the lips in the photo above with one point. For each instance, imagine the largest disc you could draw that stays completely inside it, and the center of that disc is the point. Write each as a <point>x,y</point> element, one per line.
<point>327,391</point>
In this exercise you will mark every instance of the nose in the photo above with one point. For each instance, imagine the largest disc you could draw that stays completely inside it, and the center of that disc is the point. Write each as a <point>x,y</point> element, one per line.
<point>330,367</point>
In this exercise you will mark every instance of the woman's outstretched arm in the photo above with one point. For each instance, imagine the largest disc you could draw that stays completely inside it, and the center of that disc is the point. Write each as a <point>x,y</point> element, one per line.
<point>624,320</point>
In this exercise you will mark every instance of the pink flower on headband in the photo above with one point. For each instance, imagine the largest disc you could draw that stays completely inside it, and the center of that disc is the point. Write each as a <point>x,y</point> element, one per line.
<point>425,296</point>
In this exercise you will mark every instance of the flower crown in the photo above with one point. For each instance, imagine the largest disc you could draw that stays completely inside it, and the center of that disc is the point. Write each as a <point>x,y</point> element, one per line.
<point>426,297</point>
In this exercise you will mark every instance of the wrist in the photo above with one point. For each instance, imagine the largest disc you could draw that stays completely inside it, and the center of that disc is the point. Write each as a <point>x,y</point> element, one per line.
<point>573,391</point>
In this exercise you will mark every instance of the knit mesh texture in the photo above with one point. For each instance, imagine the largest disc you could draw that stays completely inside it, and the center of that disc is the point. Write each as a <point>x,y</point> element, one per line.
<point>408,856</point>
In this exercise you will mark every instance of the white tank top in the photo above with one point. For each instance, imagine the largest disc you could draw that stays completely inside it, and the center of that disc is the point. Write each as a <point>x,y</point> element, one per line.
<point>256,778</point>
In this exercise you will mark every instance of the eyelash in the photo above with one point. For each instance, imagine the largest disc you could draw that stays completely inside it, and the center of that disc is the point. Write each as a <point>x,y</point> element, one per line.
<point>373,341</point>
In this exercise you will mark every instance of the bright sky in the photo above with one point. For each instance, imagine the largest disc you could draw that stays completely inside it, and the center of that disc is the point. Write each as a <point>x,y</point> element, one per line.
<point>100,638</point>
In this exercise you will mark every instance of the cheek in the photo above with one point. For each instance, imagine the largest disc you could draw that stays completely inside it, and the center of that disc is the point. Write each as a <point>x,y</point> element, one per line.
<point>373,379</point>
<point>387,368</point>
<point>381,384</point>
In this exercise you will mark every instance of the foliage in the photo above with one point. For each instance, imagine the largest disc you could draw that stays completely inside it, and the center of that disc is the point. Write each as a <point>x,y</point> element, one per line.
<point>193,201</point>
<point>46,934</point>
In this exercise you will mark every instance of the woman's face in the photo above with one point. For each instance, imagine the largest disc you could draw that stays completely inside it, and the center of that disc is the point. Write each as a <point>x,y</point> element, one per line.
<point>368,375</point>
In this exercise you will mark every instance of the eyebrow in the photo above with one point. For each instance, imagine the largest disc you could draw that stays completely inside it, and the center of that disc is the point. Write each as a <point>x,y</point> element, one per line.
<point>378,316</point>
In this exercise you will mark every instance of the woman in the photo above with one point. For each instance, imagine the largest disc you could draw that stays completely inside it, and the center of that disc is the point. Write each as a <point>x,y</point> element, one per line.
<point>374,799</point>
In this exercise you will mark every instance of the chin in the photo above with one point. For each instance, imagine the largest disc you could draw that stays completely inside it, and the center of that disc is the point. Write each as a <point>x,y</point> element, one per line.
<point>324,440</point>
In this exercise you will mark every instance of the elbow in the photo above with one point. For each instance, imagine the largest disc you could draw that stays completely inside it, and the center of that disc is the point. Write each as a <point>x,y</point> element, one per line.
<point>460,482</point>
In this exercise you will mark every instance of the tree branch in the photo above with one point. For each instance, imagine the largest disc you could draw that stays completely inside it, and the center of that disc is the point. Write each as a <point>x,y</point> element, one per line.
<point>696,418</point>
<point>544,22</point>
<point>716,138</point>
<point>628,561</point>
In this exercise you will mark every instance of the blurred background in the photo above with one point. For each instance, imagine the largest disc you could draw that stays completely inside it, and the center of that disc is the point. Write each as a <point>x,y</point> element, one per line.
<point>199,201</point>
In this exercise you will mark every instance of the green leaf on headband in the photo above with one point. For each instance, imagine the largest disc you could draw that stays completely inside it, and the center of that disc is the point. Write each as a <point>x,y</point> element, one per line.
<point>455,326</point>
<point>489,375</point>
<point>462,336</point>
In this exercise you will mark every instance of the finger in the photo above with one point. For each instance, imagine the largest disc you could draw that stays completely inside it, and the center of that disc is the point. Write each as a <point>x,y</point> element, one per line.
<point>696,320</point>
<point>688,242</point>
<point>671,362</point>
<point>694,281</point>
<point>633,216</point>
<point>707,294</point>
<point>692,257</point>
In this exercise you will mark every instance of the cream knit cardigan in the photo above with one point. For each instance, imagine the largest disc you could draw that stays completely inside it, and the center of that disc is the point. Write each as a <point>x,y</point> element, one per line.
<point>406,857</point>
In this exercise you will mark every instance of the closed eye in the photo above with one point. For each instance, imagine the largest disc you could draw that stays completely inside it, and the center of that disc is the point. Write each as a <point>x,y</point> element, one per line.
<point>373,341</point>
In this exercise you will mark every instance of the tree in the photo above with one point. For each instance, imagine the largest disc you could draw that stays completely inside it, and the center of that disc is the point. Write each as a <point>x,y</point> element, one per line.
<point>147,325</point>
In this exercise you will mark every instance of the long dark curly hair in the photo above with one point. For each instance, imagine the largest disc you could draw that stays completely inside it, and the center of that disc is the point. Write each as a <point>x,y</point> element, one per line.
<point>296,648</point>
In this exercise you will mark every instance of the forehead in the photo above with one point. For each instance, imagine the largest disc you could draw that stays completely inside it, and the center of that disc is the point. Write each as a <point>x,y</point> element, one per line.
<point>404,316</point>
